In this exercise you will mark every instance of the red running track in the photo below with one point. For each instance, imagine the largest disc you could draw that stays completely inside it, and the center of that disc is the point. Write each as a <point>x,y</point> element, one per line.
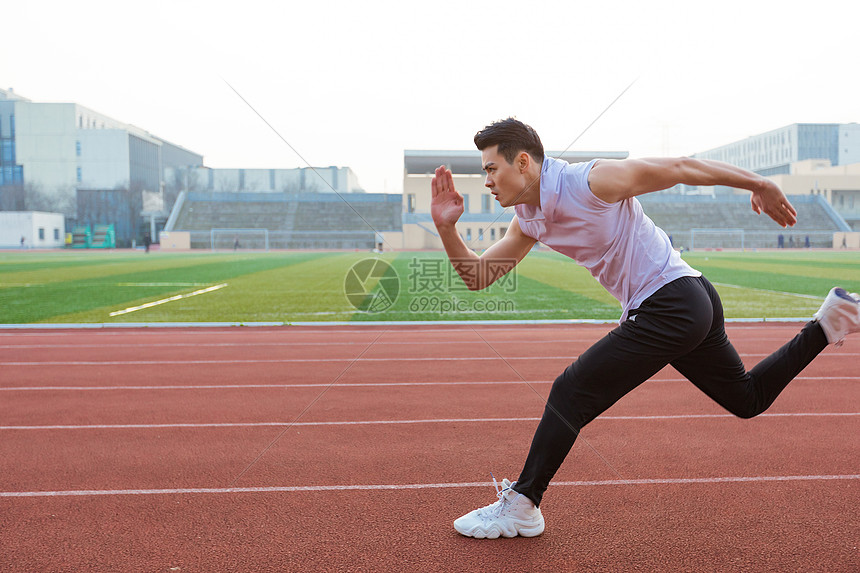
<point>354,448</point>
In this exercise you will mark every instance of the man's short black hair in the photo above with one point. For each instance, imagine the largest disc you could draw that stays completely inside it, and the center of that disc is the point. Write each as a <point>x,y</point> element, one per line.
<point>512,136</point>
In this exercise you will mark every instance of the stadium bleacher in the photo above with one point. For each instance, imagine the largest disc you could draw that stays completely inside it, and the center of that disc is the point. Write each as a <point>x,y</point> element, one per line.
<point>293,221</point>
<point>730,222</point>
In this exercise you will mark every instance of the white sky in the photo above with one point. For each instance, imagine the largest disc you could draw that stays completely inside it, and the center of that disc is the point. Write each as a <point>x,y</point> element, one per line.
<point>355,83</point>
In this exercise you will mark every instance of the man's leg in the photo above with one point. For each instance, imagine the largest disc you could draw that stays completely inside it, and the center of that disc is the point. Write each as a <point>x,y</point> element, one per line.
<point>669,324</point>
<point>716,369</point>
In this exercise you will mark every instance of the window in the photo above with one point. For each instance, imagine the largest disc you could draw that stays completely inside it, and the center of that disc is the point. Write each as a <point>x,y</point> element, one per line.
<point>78,148</point>
<point>480,234</point>
<point>410,203</point>
<point>79,175</point>
<point>502,232</point>
<point>468,234</point>
<point>465,203</point>
<point>492,234</point>
<point>41,233</point>
<point>56,234</point>
<point>8,155</point>
<point>486,203</point>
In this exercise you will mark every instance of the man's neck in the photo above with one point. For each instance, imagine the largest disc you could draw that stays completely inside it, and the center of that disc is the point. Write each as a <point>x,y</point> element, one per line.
<point>531,192</point>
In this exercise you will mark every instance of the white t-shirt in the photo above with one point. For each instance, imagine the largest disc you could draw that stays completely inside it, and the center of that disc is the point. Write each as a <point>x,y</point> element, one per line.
<point>621,247</point>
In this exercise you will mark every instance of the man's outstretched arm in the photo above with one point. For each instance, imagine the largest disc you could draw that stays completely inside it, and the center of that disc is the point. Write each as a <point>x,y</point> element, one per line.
<point>478,272</point>
<point>616,180</point>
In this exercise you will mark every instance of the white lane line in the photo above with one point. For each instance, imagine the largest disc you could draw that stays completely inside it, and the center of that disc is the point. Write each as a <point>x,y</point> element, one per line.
<point>396,422</point>
<point>354,328</point>
<point>166,300</point>
<point>568,358</point>
<point>589,341</point>
<point>414,486</point>
<point>289,344</point>
<point>344,385</point>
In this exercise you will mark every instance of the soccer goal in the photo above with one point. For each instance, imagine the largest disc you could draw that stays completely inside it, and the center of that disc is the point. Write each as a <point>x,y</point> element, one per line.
<point>716,239</point>
<point>239,239</point>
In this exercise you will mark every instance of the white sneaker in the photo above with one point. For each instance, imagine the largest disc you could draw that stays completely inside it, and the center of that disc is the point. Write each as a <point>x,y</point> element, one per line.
<point>839,315</point>
<point>514,514</point>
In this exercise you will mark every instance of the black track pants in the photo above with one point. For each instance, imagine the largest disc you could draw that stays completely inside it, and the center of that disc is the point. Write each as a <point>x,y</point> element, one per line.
<point>682,325</point>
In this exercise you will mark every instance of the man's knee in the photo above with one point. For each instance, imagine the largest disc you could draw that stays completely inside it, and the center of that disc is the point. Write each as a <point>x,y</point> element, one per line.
<point>747,410</point>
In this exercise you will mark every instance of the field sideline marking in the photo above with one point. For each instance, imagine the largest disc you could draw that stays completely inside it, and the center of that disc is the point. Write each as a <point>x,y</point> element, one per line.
<point>166,300</point>
<point>398,422</point>
<point>779,292</point>
<point>388,487</point>
<point>343,385</point>
<point>325,360</point>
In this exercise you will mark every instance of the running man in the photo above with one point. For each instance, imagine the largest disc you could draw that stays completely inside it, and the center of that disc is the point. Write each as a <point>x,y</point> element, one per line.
<point>671,314</point>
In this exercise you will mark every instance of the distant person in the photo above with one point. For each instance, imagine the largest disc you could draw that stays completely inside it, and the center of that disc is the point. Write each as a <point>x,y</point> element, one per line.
<point>235,242</point>
<point>844,241</point>
<point>790,242</point>
<point>806,242</point>
<point>780,241</point>
<point>24,240</point>
<point>670,313</point>
<point>147,240</point>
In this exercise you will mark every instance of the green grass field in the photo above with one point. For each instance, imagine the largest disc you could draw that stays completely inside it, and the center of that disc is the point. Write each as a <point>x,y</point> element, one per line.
<point>86,287</point>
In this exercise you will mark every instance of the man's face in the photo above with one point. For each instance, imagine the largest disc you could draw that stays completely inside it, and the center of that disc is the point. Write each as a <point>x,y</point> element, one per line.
<point>505,181</point>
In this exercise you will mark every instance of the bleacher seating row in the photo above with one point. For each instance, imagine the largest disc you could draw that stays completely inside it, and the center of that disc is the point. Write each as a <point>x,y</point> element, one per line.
<point>331,221</point>
<point>307,220</point>
<point>679,214</point>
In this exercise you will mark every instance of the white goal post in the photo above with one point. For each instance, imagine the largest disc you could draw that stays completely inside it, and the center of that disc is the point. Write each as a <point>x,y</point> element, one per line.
<point>239,239</point>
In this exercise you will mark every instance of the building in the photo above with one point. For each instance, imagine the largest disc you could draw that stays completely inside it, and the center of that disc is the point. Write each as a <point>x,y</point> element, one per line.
<point>839,184</point>
<point>63,146</point>
<point>52,150</point>
<point>299,180</point>
<point>773,152</point>
<point>484,221</point>
<point>32,230</point>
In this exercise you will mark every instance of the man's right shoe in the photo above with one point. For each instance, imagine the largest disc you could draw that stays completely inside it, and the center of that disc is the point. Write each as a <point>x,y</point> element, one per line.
<point>514,514</point>
<point>839,315</point>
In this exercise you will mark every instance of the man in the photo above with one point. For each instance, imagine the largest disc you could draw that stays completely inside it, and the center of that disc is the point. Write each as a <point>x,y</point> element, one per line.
<point>670,313</point>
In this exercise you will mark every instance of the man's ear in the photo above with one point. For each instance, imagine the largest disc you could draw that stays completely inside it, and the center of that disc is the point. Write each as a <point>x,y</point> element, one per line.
<point>523,160</point>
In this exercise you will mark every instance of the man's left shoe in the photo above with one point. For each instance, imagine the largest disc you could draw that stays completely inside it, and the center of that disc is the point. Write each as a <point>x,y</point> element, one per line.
<point>514,514</point>
<point>839,315</point>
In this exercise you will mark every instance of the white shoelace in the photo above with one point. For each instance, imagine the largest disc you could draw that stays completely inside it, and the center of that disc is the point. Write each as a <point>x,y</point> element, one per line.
<point>495,509</point>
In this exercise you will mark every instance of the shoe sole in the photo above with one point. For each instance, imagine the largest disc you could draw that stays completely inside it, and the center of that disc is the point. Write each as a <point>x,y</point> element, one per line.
<point>521,531</point>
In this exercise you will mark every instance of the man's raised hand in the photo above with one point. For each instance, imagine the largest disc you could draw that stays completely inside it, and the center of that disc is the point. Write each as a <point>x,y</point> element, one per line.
<point>446,204</point>
<point>771,201</point>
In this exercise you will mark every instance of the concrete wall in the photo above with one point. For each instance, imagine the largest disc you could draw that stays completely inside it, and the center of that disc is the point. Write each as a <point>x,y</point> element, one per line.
<point>839,184</point>
<point>175,240</point>
<point>40,230</point>
<point>45,136</point>
<point>846,240</point>
<point>849,143</point>
<point>104,158</point>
